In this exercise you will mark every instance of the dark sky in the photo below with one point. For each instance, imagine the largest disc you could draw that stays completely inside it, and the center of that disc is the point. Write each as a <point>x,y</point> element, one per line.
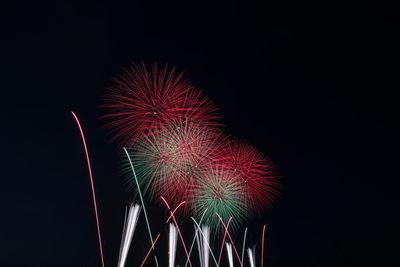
<point>310,83</point>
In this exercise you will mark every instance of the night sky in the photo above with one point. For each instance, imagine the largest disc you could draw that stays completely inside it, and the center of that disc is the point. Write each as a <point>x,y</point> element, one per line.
<point>312,85</point>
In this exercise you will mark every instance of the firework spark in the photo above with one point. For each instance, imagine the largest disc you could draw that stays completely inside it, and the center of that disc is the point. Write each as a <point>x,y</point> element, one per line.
<point>208,245</point>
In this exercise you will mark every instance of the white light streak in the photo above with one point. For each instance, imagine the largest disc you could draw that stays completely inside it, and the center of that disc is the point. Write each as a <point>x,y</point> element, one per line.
<point>173,237</point>
<point>230,253</point>
<point>127,234</point>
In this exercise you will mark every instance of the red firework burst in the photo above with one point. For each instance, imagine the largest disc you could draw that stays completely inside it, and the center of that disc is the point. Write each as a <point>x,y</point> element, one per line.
<point>170,159</point>
<point>143,99</point>
<point>254,170</point>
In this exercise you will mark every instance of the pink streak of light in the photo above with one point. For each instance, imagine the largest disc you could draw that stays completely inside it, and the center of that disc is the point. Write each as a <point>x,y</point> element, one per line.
<point>230,237</point>
<point>172,214</point>
<point>92,186</point>
<point>179,231</point>
<point>223,240</point>
<point>151,248</point>
<point>262,246</point>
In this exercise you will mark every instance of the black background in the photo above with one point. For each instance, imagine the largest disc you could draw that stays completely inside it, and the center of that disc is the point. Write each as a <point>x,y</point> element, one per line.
<point>312,84</point>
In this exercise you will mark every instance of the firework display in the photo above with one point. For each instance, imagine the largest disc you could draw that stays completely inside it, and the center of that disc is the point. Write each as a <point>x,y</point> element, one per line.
<point>176,152</point>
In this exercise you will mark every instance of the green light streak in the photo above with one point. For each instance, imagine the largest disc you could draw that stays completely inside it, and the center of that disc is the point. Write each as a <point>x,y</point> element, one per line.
<point>141,200</point>
<point>195,235</point>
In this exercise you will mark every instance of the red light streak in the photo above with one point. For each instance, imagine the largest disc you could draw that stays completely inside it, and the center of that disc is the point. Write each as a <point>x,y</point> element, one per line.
<point>179,231</point>
<point>230,238</point>
<point>223,240</point>
<point>92,186</point>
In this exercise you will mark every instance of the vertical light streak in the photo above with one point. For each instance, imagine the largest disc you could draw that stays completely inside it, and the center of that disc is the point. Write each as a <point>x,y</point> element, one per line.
<point>141,200</point>
<point>262,246</point>
<point>198,228</point>
<point>173,237</point>
<point>148,252</point>
<point>202,244</point>
<point>123,235</point>
<point>92,186</point>
<point>179,231</point>
<point>230,238</point>
<point>229,253</point>
<point>223,241</point>
<point>252,257</point>
<point>244,244</point>
<point>195,235</point>
<point>129,229</point>
<point>199,250</point>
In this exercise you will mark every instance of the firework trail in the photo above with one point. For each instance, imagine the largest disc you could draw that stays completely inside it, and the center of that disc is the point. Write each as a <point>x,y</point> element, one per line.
<point>148,253</point>
<point>92,186</point>
<point>173,237</point>
<point>202,245</point>
<point>142,99</point>
<point>195,235</point>
<point>223,240</point>
<point>229,253</point>
<point>141,200</point>
<point>252,257</point>
<point>244,244</point>
<point>129,228</point>
<point>230,237</point>
<point>177,227</point>
<point>208,245</point>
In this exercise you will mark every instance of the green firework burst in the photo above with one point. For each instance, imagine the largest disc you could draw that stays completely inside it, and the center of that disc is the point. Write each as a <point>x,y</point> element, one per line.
<point>219,191</point>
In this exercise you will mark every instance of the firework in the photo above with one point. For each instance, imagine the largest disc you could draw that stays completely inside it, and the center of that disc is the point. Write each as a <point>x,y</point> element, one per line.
<point>173,237</point>
<point>254,170</point>
<point>221,192</point>
<point>142,99</point>
<point>127,233</point>
<point>169,161</point>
